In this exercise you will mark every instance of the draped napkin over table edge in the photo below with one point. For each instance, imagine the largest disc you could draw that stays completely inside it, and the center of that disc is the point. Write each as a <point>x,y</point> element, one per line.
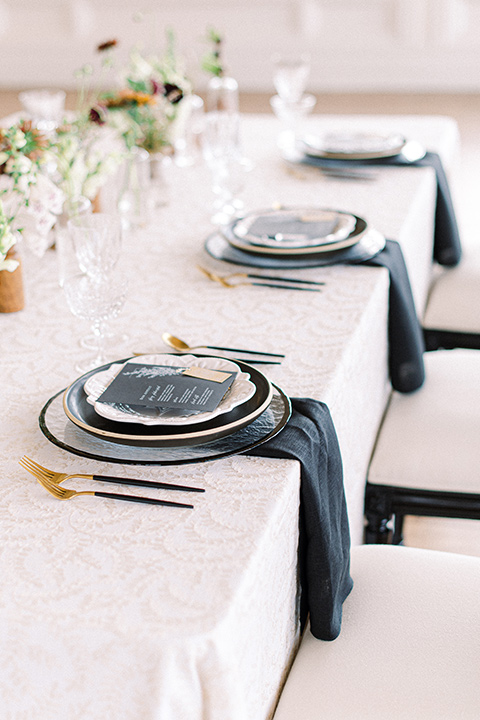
<point>324,542</point>
<point>447,248</point>
<point>406,344</point>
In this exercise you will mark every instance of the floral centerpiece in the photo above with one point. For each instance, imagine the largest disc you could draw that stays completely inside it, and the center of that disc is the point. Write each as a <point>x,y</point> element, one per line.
<point>85,157</point>
<point>29,200</point>
<point>85,153</point>
<point>145,106</point>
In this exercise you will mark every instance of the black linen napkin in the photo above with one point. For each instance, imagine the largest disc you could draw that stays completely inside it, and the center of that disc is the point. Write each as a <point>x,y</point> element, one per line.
<point>405,337</point>
<point>324,544</point>
<point>447,248</point>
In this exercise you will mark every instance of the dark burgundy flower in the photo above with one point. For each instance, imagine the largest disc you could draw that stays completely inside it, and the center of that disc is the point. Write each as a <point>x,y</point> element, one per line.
<point>106,45</point>
<point>98,115</point>
<point>172,93</point>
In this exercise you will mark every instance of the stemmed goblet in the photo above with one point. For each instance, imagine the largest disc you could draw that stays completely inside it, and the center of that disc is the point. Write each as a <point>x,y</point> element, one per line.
<point>97,242</point>
<point>291,104</point>
<point>96,294</point>
<point>290,75</point>
<point>222,156</point>
<point>221,148</point>
<point>96,301</point>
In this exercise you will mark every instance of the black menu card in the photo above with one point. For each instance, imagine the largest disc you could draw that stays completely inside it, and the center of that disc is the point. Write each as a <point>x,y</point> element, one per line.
<point>192,389</point>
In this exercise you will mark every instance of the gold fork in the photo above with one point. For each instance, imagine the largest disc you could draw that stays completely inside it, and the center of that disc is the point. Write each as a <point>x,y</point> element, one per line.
<point>217,278</point>
<point>226,280</point>
<point>63,493</point>
<point>56,478</point>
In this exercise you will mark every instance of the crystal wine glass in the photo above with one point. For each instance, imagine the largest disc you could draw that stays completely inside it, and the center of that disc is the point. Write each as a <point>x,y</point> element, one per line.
<point>67,262</point>
<point>290,76</point>
<point>187,141</point>
<point>291,116</point>
<point>97,242</point>
<point>221,151</point>
<point>97,300</point>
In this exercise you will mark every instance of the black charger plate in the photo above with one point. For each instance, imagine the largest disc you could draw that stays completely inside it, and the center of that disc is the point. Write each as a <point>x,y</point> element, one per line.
<point>369,245</point>
<point>58,429</point>
<point>83,414</point>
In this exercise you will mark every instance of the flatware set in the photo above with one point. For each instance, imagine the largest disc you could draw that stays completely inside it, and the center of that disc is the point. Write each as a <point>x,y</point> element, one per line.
<point>233,280</point>
<point>63,493</point>
<point>57,478</point>
<point>181,346</point>
<point>51,480</point>
<point>307,172</point>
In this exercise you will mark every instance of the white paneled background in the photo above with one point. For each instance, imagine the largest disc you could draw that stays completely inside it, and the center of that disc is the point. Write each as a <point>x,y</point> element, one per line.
<point>354,45</point>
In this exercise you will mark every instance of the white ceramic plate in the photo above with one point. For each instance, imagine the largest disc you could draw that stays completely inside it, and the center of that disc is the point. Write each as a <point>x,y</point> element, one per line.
<point>354,146</point>
<point>241,390</point>
<point>298,228</point>
<point>272,218</point>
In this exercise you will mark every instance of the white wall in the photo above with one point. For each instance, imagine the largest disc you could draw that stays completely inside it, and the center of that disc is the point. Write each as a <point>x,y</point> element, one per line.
<point>355,45</point>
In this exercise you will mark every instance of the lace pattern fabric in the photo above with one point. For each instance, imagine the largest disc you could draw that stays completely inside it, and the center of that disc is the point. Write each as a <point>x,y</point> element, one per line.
<point>122,611</point>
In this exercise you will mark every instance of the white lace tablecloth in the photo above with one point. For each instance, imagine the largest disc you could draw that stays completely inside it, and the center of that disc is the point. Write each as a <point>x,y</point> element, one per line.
<point>118,611</point>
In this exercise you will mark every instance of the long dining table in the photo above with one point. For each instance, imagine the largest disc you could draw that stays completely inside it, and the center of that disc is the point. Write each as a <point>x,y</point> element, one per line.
<point>122,611</point>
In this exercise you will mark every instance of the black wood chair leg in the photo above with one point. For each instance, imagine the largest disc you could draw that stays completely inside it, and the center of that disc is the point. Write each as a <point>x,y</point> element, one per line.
<point>378,514</point>
<point>397,538</point>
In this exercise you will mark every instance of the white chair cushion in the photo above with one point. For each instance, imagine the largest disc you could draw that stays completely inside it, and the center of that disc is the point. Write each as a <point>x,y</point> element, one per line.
<point>430,439</point>
<point>409,645</point>
<point>454,299</point>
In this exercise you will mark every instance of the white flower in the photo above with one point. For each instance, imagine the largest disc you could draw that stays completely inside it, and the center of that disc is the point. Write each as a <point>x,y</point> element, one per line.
<point>18,139</point>
<point>140,68</point>
<point>46,194</point>
<point>8,265</point>
<point>11,198</point>
<point>6,183</point>
<point>7,238</point>
<point>21,165</point>
<point>35,222</point>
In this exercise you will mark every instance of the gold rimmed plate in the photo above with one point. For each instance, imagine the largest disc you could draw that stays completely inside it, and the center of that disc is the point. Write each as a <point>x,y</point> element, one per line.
<point>295,228</point>
<point>353,146</point>
<point>83,415</point>
<point>61,432</point>
<point>241,391</point>
<point>239,233</point>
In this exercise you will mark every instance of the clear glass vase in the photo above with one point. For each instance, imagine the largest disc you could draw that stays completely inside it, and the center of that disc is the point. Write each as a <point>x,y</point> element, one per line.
<point>222,95</point>
<point>132,184</point>
<point>142,187</point>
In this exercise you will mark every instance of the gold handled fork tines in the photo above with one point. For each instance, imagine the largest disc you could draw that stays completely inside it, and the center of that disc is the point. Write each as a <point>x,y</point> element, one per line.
<point>232,280</point>
<point>56,478</point>
<point>63,493</point>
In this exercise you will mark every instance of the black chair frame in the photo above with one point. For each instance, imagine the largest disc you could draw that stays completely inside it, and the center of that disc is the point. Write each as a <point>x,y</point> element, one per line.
<point>448,340</point>
<point>383,502</point>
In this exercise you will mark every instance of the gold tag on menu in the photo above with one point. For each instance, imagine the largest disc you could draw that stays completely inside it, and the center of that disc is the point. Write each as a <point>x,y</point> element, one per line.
<point>206,374</point>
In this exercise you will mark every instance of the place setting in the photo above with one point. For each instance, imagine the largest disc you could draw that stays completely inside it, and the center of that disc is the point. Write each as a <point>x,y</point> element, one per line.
<point>307,237</point>
<point>355,151</point>
<point>166,409</point>
<point>362,146</point>
<point>296,237</point>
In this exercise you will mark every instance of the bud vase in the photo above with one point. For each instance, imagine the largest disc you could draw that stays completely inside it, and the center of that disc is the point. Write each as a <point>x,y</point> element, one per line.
<point>132,184</point>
